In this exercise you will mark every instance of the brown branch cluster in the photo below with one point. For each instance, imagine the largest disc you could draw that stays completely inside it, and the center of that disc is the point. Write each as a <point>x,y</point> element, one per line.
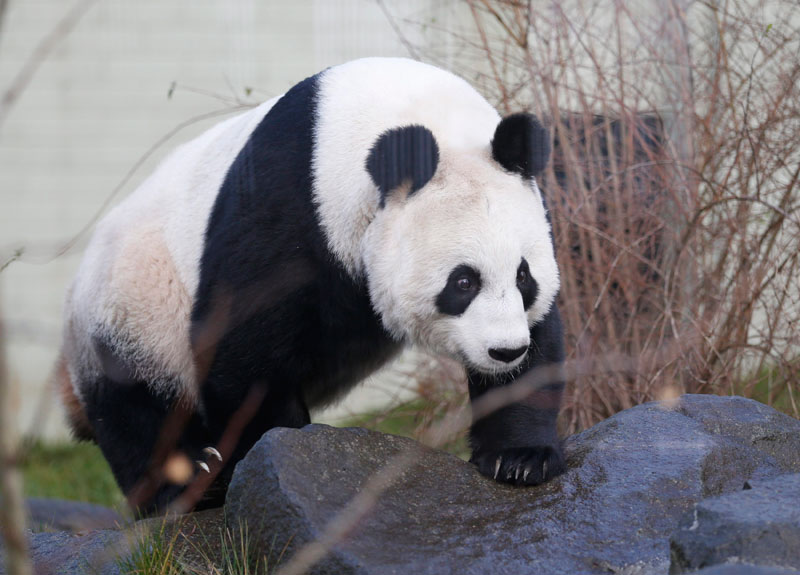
<point>674,184</point>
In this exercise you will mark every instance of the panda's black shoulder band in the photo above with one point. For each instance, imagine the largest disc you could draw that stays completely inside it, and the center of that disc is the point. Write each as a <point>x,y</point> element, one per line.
<point>407,155</point>
<point>521,144</point>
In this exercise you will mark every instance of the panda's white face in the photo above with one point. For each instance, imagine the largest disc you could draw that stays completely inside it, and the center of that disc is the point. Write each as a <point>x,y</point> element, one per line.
<point>464,265</point>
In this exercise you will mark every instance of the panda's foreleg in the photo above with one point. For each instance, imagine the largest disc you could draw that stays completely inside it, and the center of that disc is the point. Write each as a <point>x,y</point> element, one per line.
<point>513,435</point>
<point>138,431</point>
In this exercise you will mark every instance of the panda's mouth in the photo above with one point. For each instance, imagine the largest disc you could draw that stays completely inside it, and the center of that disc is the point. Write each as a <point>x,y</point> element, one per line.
<point>491,366</point>
<point>499,366</point>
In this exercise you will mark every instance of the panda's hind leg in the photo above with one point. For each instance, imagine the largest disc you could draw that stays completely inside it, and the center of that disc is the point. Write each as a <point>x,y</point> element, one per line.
<point>237,418</point>
<point>74,411</point>
<point>138,432</point>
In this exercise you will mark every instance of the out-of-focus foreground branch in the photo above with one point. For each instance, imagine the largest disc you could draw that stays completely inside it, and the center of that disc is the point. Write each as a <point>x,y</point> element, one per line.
<point>12,507</point>
<point>43,49</point>
<point>3,4</point>
<point>12,510</point>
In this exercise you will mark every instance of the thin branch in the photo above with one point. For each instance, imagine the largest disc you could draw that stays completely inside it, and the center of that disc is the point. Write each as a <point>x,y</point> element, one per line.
<point>348,519</point>
<point>3,5</point>
<point>14,257</point>
<point>43,49</point>
<point>12,509</point>
<point>72,241</point>
<point>412,51</point>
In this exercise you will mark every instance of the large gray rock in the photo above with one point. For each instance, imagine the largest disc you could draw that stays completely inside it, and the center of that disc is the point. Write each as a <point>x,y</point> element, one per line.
<point>758,526</point>
<point>629,481</point>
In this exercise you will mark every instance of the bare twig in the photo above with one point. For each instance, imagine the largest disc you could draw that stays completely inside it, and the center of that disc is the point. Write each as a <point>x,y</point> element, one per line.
<point>42,51</point>
<point>135,168</point>
<point>412,51</point>
<point>29,255</point>
<point>3,5</point>
<point>14,257</point>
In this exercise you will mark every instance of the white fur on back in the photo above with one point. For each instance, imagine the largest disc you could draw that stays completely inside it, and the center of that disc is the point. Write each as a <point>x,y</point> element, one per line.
<point>140,271</point>
<point>360,100</point>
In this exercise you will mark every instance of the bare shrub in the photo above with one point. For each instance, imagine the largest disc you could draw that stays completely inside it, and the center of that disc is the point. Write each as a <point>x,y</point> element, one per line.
<point>673,190</point>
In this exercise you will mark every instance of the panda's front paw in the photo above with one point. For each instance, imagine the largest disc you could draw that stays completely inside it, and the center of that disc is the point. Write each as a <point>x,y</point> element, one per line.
<point>521,465</point>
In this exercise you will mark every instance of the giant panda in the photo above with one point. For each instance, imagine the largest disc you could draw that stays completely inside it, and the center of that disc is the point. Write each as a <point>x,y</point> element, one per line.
<point>273,262</point>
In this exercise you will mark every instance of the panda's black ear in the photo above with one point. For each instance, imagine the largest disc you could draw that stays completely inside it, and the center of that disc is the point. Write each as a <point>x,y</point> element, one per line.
<point>407,155</point>
<point>521,144</point>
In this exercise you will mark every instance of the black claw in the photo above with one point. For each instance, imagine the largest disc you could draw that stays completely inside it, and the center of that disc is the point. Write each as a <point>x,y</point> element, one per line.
<point>521,465</point>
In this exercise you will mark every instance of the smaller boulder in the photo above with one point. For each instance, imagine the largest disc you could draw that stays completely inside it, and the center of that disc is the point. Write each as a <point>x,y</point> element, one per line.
<point>759,525</point>
<point>742,569</point>
<point>64,553</point>
<point>45,514</point>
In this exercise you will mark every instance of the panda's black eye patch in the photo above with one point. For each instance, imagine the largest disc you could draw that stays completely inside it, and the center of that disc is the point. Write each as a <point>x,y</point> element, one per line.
<point>463,284</point>
<point>526,284</point>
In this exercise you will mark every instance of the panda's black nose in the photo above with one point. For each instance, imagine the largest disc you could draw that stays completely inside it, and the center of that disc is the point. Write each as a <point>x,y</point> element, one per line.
<point>505,354</point>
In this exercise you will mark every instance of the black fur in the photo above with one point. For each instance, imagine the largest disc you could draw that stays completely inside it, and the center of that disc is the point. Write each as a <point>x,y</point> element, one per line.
<point>454,299</point>
<point>137,431</point>
<point>407,155</point>
<point>522,435</point>
<point>526,285</point>
<point>521,145</point>
<point>290,318</point>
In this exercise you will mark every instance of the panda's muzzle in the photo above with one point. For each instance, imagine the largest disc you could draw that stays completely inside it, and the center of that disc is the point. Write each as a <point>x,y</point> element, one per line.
<point>507,355</point>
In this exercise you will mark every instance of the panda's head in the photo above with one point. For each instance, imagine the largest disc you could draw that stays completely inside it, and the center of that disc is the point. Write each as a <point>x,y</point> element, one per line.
<point>459,256</point>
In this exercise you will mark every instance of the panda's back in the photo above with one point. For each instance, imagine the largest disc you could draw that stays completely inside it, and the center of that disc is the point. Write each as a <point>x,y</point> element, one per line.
<point>354,103</point>
<point>180,194</point>
<point>140,269</point>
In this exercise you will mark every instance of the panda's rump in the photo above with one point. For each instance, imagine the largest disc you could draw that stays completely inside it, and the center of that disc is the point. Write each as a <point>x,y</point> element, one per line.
<point>147,311</point>
<point>134,291</point>
<point>127,314</point>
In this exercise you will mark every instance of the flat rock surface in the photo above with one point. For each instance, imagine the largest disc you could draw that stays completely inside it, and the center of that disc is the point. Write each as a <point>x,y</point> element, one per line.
<point>760,525</point>
<point>630,479</point>
<point>46,514</point>
<point>196,540</point>
<point>742,569</point>
<point>64,553</point>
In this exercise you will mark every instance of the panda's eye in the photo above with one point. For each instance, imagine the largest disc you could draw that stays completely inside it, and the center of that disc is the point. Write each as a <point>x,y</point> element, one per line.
<point>526,284</point>
<point>463,285</point>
